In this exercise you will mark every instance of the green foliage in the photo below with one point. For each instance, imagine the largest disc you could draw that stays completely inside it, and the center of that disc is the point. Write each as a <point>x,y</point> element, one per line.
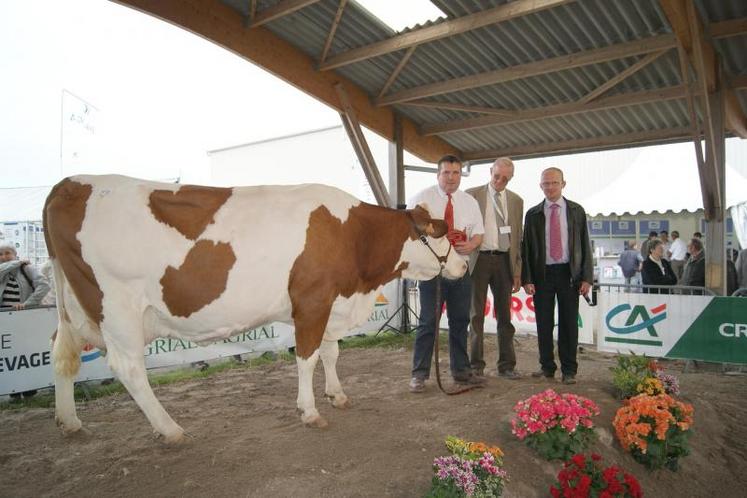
<point>665,453</point>
<point>559,444</point>
<point>383,340</point>
<point>629,372</point>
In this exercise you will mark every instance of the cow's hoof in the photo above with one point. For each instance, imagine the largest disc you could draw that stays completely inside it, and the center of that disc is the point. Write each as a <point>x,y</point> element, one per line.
<point>70,427</point>
<point>174,437</point>
<point>343,403</point>
<point>316,421</point>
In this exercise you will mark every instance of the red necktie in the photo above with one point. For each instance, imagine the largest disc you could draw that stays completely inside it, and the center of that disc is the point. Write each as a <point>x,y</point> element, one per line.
<point>449,214</point>
<point>556,243</point>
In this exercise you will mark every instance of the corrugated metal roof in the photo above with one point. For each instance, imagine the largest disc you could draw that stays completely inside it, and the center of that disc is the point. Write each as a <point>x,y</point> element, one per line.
<point>570,28</point>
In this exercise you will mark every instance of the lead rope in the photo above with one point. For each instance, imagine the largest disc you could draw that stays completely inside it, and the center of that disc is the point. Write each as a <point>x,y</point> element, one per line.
<point>435,345</point>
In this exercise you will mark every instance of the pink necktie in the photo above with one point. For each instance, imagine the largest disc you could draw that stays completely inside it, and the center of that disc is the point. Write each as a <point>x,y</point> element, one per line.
<point>556,244</point>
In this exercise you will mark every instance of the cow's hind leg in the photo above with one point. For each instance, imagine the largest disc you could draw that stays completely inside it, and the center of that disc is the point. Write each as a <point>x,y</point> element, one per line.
<point>66,359</point>
<point>125,356</point>
<point>329,351</point>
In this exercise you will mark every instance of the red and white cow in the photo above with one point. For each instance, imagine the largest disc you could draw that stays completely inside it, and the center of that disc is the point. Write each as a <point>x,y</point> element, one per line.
<point>135,260</point>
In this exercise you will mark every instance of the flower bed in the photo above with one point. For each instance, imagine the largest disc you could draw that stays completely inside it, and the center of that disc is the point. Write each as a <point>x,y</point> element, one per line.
<point>556,426</point>
<point>638,374</point>
<point>583,477</point>
<point>472,469</point>
<point>655,429</point>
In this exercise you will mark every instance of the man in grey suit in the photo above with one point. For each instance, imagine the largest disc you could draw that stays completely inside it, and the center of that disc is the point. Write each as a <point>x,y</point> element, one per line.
<point>497,264</point>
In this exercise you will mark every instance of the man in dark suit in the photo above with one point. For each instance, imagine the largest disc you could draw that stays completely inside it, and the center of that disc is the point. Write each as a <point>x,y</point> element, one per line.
<point>497,264</point>
<point>556,263</point>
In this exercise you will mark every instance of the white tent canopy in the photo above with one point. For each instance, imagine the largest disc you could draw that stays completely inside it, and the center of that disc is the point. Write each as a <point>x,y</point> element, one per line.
<point>660,179</point>
<point>23,203</point>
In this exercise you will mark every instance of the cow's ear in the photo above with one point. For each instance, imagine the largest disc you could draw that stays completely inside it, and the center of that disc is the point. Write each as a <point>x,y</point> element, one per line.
<point>437,228</point>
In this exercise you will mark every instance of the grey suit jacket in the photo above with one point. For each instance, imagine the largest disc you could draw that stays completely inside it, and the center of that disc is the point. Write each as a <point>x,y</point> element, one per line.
<point>515,206</point>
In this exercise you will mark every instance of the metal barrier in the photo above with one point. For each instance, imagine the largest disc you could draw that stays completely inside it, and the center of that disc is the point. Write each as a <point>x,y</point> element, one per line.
<point>671,289</point>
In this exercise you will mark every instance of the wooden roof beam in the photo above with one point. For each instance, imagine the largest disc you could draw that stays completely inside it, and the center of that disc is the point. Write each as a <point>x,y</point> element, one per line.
<point>583,145</point>
<point>220,23</point>
<point>282,8</point>
<point>440,30</point>
<point>618,51</point>
<point>553,111</point>
<point>645,61</point>
<point>726,29</point>
<point>333,30</point>
<point>397,70</point>
<point>689,30</point>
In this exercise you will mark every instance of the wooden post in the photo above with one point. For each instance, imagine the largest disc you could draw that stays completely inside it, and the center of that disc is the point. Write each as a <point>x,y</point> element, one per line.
<point>397,165</point>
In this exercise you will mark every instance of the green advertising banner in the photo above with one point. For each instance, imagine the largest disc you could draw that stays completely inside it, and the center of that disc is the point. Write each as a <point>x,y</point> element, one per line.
<point>674,326</point>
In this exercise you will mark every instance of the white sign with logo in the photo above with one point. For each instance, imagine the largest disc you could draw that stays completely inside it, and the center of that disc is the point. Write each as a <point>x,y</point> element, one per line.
<point>649,324</point>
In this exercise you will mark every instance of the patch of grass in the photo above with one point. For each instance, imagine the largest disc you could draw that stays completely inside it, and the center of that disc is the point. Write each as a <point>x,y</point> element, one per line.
<point>388,340</point>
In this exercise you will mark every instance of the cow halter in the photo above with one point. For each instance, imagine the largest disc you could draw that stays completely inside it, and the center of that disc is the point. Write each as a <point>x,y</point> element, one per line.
<point>424,239</point>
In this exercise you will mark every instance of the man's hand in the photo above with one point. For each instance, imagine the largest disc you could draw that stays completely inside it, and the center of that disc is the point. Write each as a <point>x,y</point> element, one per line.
<point>517,285</point>
<point>464,248</point>
<point>584,288</point>
<point>529,289</point>
<point>19,306</point>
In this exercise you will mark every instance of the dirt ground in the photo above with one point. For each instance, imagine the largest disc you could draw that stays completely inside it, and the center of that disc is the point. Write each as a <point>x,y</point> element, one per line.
<point>247,439</point>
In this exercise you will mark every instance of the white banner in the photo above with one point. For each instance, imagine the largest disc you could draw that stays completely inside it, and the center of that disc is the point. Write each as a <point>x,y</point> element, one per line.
<point>523,319</point>
<point>26,360</point>
<point>649,324</point>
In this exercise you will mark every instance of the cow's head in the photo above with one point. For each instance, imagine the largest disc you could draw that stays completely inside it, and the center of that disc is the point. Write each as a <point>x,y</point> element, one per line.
<point>427,251</point>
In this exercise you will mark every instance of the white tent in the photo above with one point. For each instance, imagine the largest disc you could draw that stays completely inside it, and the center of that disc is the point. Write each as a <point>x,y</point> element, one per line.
<point>22,204</point>
<point>660,179</point>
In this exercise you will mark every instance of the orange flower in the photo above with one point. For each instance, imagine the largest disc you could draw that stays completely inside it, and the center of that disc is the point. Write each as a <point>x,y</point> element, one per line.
<point>643,417</point>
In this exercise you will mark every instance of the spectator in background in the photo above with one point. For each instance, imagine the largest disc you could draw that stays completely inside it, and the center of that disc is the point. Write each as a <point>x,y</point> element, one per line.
<point>656,270</point>
<point>698,235</point>
<point>630,262</point>
<point>645,243</point>
<point>20,284</point>
<point>742,269</point>
<point>48,273</point>
<point>732,283</point>
<point>677,254</point>
<point>664,238</point>
<point>694,272</point>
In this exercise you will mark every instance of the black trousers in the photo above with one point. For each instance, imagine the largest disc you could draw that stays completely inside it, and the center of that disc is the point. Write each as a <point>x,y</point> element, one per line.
<point>558,284</point>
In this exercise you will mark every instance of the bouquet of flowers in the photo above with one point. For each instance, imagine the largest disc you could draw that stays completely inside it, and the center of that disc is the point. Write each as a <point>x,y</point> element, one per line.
<point>584,477</point>
<point>655,429</point>
<point>557,426</point>
<point>636,374</point>
<point>472,469</point>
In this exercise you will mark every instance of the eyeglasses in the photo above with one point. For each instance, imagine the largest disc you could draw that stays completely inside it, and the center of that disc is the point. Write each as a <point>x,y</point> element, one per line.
<point>551,184</point>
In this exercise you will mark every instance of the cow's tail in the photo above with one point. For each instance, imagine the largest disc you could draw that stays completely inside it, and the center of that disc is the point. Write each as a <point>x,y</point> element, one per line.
<point>66,345</point>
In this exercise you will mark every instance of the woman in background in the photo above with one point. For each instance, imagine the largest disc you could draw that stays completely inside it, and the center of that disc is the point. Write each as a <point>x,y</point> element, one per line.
<point>656,270</point>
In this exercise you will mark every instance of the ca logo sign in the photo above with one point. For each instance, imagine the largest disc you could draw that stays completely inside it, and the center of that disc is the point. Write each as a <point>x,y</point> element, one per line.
<point>638,319</point>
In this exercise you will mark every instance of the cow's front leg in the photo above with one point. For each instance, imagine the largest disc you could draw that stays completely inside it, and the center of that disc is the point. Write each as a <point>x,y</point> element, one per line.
<point>309,414</point>
<point>329,351</point>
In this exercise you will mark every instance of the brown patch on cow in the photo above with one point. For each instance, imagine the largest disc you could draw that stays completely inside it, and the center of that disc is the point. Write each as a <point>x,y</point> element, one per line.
<point>63,216</point>
<point>200,280</point>
<point>190,209</point>
<point>341,259</point>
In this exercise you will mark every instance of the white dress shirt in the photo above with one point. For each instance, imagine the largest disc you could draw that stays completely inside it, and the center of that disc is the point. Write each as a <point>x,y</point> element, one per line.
<point>678,249</point>
<point>490,239</point>
<point>467,214</point>
<point>563,214</point>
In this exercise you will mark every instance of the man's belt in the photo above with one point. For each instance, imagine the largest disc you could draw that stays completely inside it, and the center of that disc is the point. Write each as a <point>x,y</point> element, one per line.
<point>494,253</point>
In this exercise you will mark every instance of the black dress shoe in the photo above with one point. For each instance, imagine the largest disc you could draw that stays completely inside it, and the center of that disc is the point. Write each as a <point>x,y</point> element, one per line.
<point>569,379</point>
<point>543,373</point>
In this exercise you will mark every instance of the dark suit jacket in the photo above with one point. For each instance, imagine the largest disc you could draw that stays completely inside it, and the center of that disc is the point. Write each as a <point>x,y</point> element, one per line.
<point>694,272</point>
<point>533,245</point>
<point>651,275</point>
<point>515,205</point>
